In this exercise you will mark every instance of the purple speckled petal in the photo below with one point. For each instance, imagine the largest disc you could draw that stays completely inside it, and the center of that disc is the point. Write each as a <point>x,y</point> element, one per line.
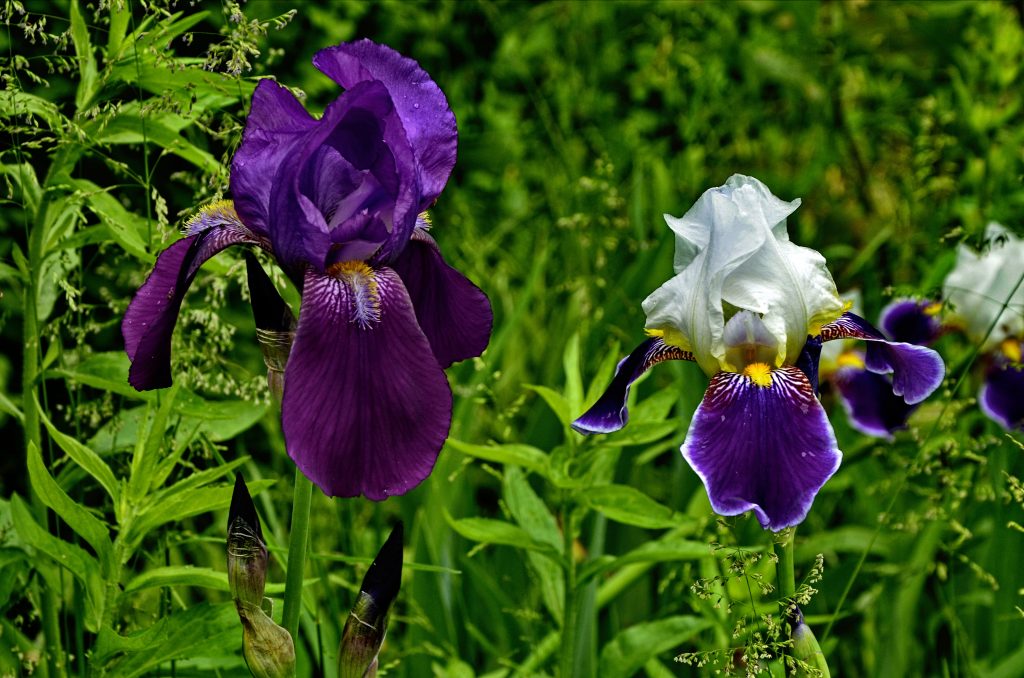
<point>274,129</point>
<point>453,312</point>
<point>870,404</point>
<point>907,321</point>
<point>152,314</point>
<point>1002,396</point>
<point>610,413</point>
<point>916,370</point>
<point>766,449</point>
<point>426,115</point>
<point>366,407</point>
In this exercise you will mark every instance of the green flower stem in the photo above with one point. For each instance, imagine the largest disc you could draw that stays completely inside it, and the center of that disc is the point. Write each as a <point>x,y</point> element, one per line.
<point>785,568</point>
<point>297,547</point>
<point>568,659</point>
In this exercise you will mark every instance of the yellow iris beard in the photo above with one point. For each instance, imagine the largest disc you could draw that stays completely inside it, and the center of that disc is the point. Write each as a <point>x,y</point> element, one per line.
<point>1011,349</point>
<point>362,280</point>
<point>759,373</point>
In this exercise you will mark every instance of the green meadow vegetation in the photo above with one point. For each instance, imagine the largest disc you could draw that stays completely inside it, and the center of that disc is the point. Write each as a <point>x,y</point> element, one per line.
<point>531,550</point>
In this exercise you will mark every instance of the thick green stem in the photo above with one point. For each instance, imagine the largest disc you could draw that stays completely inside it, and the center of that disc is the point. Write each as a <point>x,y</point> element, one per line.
<point>568,659</point>
<point>785,568</point>
<point>29,378</point>
<point>297,547</point>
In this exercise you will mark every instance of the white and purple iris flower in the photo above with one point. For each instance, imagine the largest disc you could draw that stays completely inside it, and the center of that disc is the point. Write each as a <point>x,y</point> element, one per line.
<point>871,406</point>
<point>752,309</point>
<point>338,201</point>
<point>987,298</point>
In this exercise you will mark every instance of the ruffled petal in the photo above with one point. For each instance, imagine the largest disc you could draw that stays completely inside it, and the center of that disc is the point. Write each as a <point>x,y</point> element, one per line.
<point>359,144</point>
<point>152,314</point>
<point>766,449</point>
<point>869,401</point>
<point>736,255</point>
<point>274,129</point>
<point>984,289</point>
<point>422,106</point>
<point>910,321</point>
<point>609,413</point>
<point>453,312</point>
<point>1002,396</point>
<point>366,407</point>
<point>916,370</point>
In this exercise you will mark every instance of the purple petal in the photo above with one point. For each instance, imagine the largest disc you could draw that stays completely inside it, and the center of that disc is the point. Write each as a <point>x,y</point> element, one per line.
<point>908,321</point>
<point>1002,396</point>
<point>422,106</point>
<point>360,145</point>
<point>766,449</point>
<point>275,128</point>
<point>366,407</point>
<point>453,312</point>
<point>870,404</point>
<point>916,370</point>
<point>809,359</point>
<point>609,413</point>
<point>149,321</point>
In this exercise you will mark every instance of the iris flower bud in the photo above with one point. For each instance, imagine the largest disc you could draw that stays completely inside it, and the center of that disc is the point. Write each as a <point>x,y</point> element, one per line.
<point>368,621</point>
<point>267,647</point>
<point>806,649</point>
<point>275,324</point>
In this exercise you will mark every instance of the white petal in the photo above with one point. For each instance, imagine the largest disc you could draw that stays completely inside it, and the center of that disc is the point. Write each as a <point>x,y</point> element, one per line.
<point>980,284</point>
<point>732,248</point>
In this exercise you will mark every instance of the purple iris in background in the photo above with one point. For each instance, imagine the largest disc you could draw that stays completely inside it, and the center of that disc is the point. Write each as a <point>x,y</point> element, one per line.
<point>339,201</point>
<point>867,397</point>
<point>752,309</point>
<point>985,291</point>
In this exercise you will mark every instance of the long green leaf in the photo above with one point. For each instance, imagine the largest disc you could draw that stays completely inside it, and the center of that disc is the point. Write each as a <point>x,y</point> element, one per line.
<point>89,527</point>
<point>522,455</point>
<point>87,76</point>
<point>90,462</point>
<point>631,649</point>
<point>488,531</point>
<point>628,505</point>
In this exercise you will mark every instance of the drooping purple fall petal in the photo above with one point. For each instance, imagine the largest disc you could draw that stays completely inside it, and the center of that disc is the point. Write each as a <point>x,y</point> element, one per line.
<point>909,321</point>
<point>453,312</point>
<point>916,370</point>
<point>422,106</point>
<point>1002,396</point>
<point>766,449</point>
<point>869,401</point>
<point>152,314</point>
<point>366,407</point>
<point>610,413</point>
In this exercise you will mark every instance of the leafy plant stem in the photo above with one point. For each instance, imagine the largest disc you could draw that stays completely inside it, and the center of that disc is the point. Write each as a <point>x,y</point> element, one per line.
<point>297,546</point>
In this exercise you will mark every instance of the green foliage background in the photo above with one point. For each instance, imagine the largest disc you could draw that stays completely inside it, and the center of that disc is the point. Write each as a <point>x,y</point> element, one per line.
<point>581,123</point>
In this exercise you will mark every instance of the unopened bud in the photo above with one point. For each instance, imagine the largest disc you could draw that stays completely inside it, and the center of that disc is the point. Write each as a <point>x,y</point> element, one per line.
<point>275,324</point>
<point>368,622</point>
<point>247,552</point>
<point>807,652</point>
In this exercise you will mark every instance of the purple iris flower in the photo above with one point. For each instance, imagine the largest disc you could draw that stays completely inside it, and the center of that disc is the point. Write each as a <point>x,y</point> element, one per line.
<point>867,397</point>
<point>339,201</point>
<point>753,309</point>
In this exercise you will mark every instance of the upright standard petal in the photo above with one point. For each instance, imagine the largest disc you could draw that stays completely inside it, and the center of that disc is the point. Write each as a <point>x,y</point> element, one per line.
<point>916,370</point>
<point>911,321</point>
<point>276,126</point>
<point>366,407</point>
<point>1002,396</point>
<point>610,413</point>
<point>737,256</point>
<point>985,289</point>
<point>422,106</point>
<point>453,312</point>
<point>152,314</point>
<point>762,448</point>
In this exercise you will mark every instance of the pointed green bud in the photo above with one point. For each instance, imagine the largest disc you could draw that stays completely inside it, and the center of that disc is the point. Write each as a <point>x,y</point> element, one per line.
<point>247,552</point>
<point>267,647</point>
<point>807,652</point>
<point>275,324</point>
<point>368,622</point>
